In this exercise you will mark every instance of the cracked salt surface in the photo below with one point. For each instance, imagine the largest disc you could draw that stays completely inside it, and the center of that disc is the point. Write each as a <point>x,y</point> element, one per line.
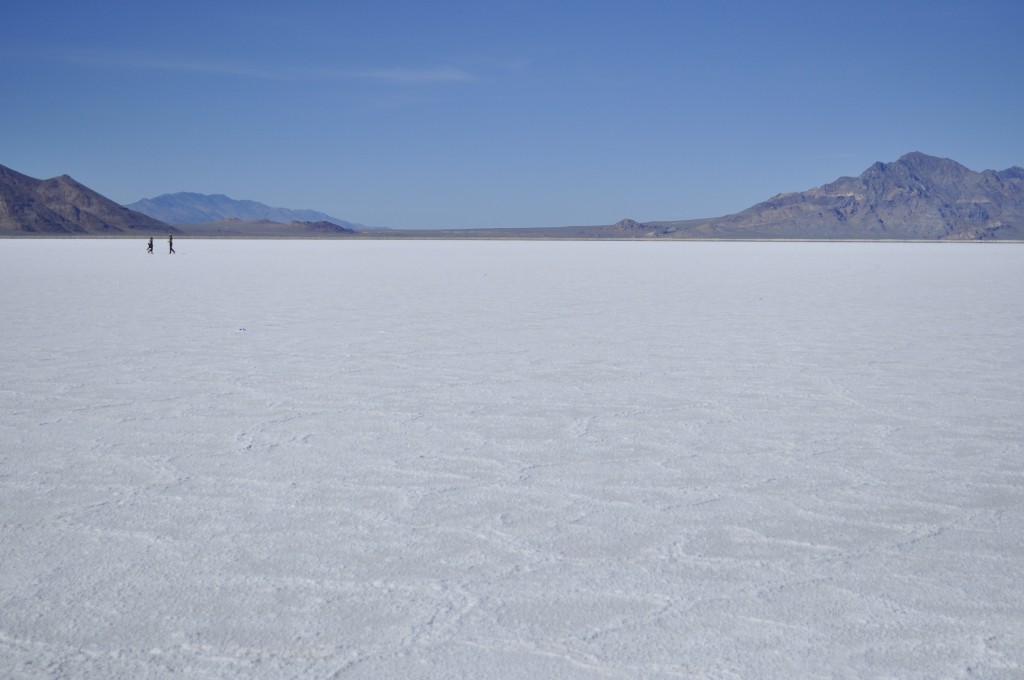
<point>518,460</point>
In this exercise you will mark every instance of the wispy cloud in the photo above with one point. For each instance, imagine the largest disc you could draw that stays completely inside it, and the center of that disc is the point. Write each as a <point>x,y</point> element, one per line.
<point>828,156</point>
<point>144,61</point>
<point>414,75</point>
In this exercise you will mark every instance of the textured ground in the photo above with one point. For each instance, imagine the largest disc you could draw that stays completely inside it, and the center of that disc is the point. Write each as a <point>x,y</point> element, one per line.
<point>517,460</point>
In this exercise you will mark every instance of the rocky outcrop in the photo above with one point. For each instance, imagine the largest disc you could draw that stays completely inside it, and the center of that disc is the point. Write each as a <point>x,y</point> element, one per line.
<point>917,197</point>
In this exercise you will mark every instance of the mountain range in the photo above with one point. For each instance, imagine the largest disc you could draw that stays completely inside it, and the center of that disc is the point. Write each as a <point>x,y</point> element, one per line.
<point>917,197</point>
<point>190,208</point>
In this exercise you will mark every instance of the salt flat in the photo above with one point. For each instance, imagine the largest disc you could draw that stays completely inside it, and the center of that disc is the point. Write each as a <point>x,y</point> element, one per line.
<point>364,459</point>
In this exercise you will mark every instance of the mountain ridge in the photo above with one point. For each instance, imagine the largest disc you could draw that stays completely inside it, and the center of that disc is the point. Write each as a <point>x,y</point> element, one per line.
<point>185,208</point>
<point>917,197</point>
<point>62,206</point>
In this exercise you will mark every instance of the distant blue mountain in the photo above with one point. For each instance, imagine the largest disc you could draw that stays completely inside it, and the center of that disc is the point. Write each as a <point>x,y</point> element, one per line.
<point>191,208</point>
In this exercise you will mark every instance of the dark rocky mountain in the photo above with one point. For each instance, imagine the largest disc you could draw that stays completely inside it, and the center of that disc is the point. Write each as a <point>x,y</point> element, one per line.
<point>917,197</point>
<point>190,208</point>
<point>63,207</point>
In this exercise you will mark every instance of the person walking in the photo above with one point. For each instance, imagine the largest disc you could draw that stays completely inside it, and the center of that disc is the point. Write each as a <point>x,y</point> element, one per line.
<point>170,243</point>
<point>149,246</point>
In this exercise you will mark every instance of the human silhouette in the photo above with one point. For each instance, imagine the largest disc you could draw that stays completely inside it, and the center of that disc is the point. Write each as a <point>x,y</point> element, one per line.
<point>149,246</point>
<point>170,243</point>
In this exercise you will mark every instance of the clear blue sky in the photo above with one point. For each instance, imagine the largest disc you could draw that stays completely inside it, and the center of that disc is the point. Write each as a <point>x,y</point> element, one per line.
<point>503,113</point>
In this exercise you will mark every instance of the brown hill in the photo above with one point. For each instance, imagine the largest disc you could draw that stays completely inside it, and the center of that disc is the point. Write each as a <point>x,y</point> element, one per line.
<point>63,207</point>
<point>917,197</point>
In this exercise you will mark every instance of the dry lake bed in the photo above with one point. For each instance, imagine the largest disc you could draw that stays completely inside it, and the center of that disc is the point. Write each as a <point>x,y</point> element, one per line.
<point>427,459</point>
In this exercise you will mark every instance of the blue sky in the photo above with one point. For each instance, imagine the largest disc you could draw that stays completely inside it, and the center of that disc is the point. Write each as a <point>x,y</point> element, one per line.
<point>504,113</point>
